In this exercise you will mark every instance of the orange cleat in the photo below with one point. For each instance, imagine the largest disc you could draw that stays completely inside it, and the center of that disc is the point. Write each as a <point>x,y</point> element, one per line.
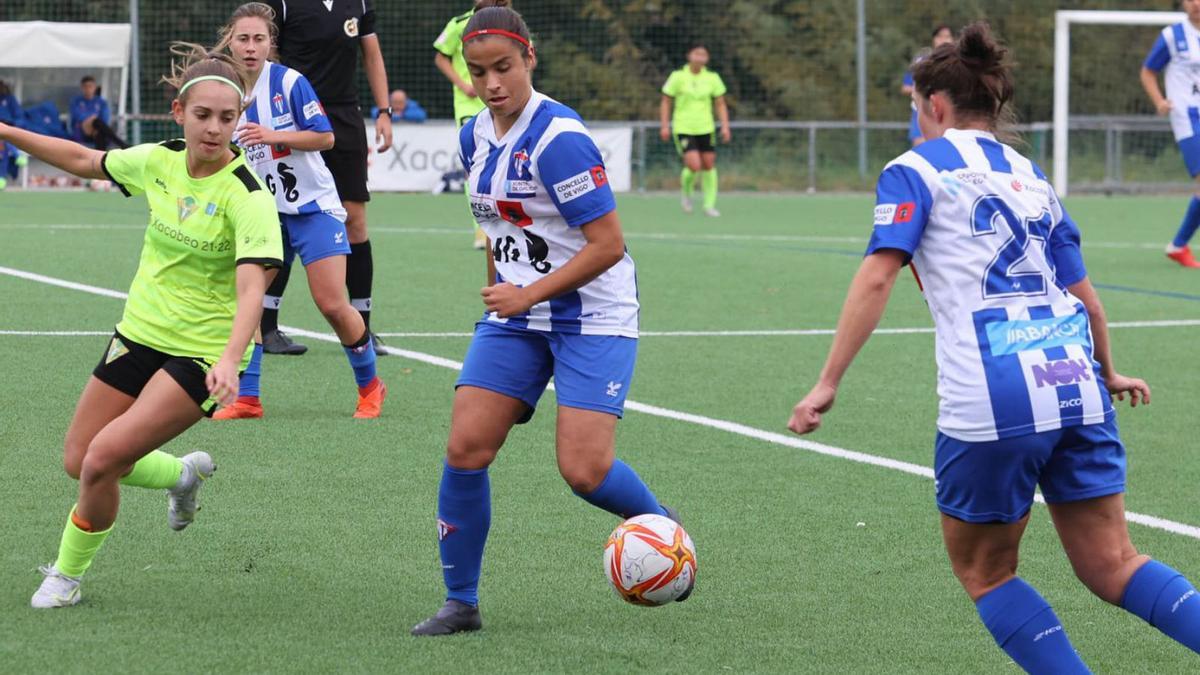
<point>244,408</point>
<point>1183,256</point>
<point>370,400</point>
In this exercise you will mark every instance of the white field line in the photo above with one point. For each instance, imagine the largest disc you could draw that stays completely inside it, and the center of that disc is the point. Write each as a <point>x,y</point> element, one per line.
<point>653,236</point>
<point>1179,323</point>
<point>700,420</point>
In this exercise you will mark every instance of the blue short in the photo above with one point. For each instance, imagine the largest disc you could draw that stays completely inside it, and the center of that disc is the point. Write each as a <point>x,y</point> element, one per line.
<point>314,236</point>
<point>914,129</point>
<point>591,372</point>
<point>1190,149</point>
<point>994,481</point>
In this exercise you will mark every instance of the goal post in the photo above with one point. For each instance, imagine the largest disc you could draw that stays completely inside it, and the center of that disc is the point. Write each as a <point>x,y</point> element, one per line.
<point>1063,20</point>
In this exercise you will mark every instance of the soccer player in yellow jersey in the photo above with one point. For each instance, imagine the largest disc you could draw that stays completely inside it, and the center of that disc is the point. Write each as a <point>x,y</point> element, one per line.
<point>193,306</point>
<point>695,91</point>
<point>449,59</point>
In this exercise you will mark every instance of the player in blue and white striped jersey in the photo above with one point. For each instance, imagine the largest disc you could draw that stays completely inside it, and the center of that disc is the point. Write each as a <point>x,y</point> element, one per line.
<point>283,129</point>
<point>1024,366</point>
<point>1177,50</point>
<point>561,301</point>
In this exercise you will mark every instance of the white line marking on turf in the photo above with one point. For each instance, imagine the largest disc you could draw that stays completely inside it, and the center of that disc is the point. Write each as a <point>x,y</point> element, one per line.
<point>54,333</point>
<point>1176,323</point>
<point>653,236</point>
<point>700,420</point>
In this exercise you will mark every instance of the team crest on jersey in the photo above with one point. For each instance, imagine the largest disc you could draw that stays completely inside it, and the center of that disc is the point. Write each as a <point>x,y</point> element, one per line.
<point>116,349</point>
<point>351,27</point>
<point>520,177</point>
<point>187,206</point>
<point>277,103</point>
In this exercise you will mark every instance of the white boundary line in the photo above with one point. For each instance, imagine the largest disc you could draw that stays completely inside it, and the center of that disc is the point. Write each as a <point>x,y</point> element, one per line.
<point>700,420</point>
<point>1178,323</point>
<point>652,236</point>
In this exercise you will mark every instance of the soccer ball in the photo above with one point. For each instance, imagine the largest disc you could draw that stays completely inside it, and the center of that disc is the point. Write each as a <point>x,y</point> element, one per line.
<point>650,561</point>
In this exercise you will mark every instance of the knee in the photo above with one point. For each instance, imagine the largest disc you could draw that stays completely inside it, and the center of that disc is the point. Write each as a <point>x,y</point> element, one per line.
<point>466,452</point>
<point>710,163</point>
<point>981,577</point>
<point>101,464</point>
<point>583,477</point>
<point>332,308</point>
<point>1106,573</point>
<point>73,454</point>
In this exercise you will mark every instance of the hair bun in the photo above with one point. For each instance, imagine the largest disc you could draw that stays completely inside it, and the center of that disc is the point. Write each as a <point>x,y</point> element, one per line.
<point>978,49</point>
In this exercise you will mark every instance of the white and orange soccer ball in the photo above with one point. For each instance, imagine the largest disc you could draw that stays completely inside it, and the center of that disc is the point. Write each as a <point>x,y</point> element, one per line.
<point>650,561</point>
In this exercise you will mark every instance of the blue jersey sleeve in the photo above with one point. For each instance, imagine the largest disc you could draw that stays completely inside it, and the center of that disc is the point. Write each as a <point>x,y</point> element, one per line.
<point>466,144</point>
<point>306,108</point>
<point>1159,55</point>
<point>573,173</point>
<point>908,81</point>
<point>1064,252</point>
<point>902,204</point>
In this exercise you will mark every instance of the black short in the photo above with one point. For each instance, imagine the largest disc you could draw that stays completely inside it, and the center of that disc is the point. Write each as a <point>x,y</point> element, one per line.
<point>127,366</point>
<point>699,142</point>
<point>347,161</point>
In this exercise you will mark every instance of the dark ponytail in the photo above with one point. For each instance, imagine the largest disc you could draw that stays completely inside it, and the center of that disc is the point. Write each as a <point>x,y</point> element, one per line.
<point>974,72</point>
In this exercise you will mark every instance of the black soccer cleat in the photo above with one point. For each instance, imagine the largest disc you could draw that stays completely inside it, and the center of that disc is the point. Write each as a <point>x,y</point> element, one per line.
<point>453,617</point>
<point>276,342</point>
<point>674,515</point>
<point>378,345</point>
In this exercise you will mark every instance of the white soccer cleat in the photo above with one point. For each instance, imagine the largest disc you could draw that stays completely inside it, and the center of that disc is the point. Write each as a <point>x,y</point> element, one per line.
<point>712,213</point>
<point>686,204</point>
<point>57,590</point>
<point>181,500</point>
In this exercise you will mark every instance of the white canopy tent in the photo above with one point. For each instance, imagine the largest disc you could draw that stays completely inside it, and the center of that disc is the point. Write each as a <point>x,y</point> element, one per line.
<point>44,60</point>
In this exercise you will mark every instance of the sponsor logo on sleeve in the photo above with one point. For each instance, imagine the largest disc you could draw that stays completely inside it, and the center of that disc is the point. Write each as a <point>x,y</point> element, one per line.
<point>313,109</point>
<point>904,212</point>
<point>599,176</point>
<point>884,214</point>
<point>575,187</point>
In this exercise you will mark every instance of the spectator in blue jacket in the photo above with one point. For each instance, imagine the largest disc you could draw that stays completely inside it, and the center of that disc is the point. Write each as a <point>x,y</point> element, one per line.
<point>404,109</point>
<point>90,117</point>
<point>10,109</point>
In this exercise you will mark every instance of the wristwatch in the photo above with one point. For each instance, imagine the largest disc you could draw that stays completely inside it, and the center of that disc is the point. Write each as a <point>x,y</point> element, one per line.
<point>384,111</point>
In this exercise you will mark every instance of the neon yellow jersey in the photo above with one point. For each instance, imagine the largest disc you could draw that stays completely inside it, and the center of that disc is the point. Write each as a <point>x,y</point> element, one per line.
<point>450,43</point>
<point>694,94</point>
<point>184,294</point>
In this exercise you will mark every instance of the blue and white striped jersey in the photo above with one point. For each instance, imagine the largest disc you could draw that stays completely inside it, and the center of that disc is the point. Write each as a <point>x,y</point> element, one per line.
<point>1178,50</point>
<point>995,252</point>
<point>531,191</point>
<point>283,100</point>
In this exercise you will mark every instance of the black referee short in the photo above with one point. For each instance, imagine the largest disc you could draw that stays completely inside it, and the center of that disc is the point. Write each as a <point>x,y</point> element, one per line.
<point>127,366</point>
<point>699,142</point>
<point>347,161</point>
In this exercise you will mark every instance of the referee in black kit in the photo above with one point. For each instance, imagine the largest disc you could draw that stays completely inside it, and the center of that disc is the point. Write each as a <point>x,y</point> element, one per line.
<point>321,39</point>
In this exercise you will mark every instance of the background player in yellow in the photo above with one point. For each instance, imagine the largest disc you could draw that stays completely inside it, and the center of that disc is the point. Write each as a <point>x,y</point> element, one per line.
<point>695,91</point>
<point>449,59</point>
<point>192,309</point>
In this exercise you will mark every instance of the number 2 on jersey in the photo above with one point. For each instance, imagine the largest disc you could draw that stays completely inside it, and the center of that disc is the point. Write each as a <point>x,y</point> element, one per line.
<point>999,280</point>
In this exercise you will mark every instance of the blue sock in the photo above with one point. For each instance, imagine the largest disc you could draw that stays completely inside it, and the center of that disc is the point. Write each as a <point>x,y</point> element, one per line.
<point>1166,600</point>
<point>622,492</point>
<point>1025,627</point>
<point>248,384</point>
<point>464,516</point>
<point>362,359</point>
<point>1191,220</point>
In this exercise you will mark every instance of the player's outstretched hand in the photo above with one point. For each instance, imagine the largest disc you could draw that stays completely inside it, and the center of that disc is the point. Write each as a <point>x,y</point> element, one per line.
<point>506,299</point>
<point>222,381</point>
<point>1138,390</point>
<point>806,416</point>
<point>726,136</point>
<point>664,133</point>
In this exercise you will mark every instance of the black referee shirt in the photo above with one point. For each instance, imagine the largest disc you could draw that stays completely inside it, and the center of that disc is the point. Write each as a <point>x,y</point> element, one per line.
<point>320,38</point>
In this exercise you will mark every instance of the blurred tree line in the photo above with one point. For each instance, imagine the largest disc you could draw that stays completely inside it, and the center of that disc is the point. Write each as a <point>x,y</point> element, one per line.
<point>782,59</point>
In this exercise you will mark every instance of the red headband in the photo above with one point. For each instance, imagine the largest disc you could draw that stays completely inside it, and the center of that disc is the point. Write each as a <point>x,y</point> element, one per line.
<point>496,31</point>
